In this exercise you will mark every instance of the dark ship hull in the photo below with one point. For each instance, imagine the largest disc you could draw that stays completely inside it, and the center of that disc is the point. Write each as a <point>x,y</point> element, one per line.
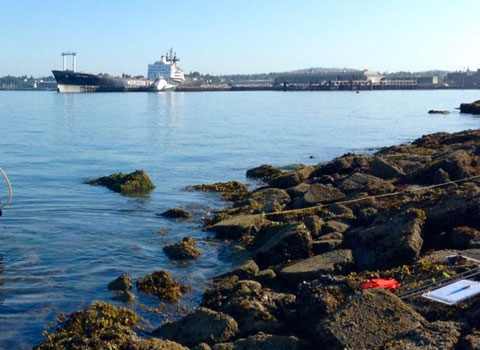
<point>69,81</point>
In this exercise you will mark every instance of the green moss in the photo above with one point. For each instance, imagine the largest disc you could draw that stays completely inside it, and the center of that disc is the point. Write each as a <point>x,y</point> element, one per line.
<point>100,326</point>
<point>161,285</point>
<point>136,183</point>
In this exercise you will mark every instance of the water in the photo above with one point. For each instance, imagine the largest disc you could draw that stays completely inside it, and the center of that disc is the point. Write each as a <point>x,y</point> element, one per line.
<point>62,241</point>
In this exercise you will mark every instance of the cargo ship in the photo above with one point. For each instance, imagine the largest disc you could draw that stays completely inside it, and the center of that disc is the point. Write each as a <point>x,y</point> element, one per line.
<point>163,75</point>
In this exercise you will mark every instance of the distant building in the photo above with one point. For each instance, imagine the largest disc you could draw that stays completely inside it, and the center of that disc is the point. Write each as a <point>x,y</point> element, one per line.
<point>428,80</point>
<point>319,78</point>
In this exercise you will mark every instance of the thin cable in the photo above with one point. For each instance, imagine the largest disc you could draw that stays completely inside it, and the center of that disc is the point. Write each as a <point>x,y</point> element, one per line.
<point>10,188</point>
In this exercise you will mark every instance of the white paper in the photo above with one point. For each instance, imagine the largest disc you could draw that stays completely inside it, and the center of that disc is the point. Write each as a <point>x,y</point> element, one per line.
<point>454,293</point>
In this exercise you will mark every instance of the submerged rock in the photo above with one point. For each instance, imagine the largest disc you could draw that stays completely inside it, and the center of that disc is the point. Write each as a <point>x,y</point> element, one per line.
<point>124,296</point>
<point>122,282</point>
<point>201,326</point>
<point>161,285</point>
<point>136,183</point>
<point>176,213</point>
<point>183,250</point>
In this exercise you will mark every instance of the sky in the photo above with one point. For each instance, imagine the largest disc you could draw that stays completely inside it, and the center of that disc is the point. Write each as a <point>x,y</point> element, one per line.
<point>239,36</point>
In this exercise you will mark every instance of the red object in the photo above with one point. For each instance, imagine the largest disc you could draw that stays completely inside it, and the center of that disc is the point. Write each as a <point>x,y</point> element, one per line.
<point>389,284</point>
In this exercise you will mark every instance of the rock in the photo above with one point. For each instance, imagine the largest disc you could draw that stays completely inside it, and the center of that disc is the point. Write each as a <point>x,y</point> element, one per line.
<point>434,111</point>
<point>100,326</point>
<point>458,164</point>
<point>384,170</point>
<point>137,343</point>
<point>291,179</point>
<point>263,172</point>
<point>231,190</point>
<point>334,226</point>
<point>267,195</point>
<point>472,341</point>
<point>263,341</point>
<point>124,296</point>
<point>319,193</point>
<point>122,282</point>
<point>201,326</point>
<point>336,261</point>
<point>253,307</point>
<point>464,237</point>
<point>327,242</point>
<point>184,250</point>
<point>440,177</point>
<point>389,241</point>
<point>237,226</point>
<point>470,108</point>
<point>202,346</point>
<point>281,243</point>
<point>340,210</point>
<point>176,213</point>
<point>136,183</point>
<point>265,276</point>
<point>314,224</point>
<point>161,285</point>
<point>370,319</point>
<point>366,216</point>
<point>366,183</point>
<point>343,165</point>
<point>244,270</point>
<point>299,190</point>
<point>437,335</point>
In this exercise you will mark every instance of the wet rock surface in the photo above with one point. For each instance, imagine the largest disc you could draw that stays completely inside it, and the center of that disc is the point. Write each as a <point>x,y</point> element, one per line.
<point>201,326</point>
<point>184,250</point>
<point>136,183</point>
<point>176,213</point>
<point>161,285</point>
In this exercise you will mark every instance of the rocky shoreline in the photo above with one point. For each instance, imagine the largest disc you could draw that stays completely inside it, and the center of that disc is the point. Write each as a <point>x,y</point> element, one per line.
<point>309,238</point>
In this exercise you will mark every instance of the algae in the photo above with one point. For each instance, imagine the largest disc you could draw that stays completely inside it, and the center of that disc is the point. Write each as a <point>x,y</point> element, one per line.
<point>160,284</point>
<point>230,191</point>
<point>136,183</point>
<point>183,250</point>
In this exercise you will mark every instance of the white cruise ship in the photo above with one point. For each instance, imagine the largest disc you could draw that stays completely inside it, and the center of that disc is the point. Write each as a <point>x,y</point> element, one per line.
<point>166,71</point>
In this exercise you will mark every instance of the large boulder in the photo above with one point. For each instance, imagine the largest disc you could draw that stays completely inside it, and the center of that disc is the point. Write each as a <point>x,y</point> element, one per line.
<point>136,183</point>
<point>266,196</point>
<point>253,307</point>
<point>389,241</point>
<point>370,319</point>
<point>262,341</point>
<point>436,335</point>
<point>359,182</point>
<point>318,194</point>
<point>336,261</point>
<point>385,170</point>
<point>343,165</point>
<point>263,172</point>
<point>201,326</point>
<point>281,243</point>
<point>237,226</point>
<point>291,179</point>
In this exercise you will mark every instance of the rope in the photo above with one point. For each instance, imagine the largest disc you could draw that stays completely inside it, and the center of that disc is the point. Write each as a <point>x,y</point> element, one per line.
<point>10,189</point>
<point>412,190</point>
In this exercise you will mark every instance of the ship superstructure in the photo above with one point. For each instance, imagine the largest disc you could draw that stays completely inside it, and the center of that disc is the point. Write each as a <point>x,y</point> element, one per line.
<point>166,68</point>
<point>166,77</point>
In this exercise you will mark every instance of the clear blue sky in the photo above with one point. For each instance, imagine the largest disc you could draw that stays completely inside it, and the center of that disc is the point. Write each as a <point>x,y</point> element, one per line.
<point>239,36</point>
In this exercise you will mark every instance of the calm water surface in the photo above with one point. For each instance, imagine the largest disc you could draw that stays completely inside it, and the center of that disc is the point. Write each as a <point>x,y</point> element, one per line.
<point>62,241</point>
